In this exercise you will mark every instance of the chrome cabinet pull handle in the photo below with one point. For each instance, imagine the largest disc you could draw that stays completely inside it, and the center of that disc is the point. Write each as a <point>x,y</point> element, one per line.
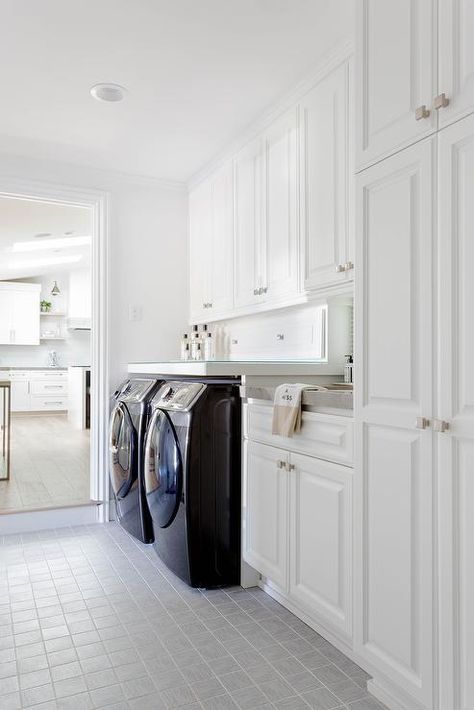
<point>422,423</point>
<point>440,425</point>
<point>441,101</point>
<point>421,112</point>
<point>339,268</point>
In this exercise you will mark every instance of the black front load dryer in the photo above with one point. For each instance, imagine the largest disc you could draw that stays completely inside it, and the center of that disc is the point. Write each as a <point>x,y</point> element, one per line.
<point>128,421</point>
<point>192,480</point>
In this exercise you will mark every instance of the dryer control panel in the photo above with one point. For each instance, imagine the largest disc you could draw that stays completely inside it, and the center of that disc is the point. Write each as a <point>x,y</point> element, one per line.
<point>178,396</point>
<point>135,390</point>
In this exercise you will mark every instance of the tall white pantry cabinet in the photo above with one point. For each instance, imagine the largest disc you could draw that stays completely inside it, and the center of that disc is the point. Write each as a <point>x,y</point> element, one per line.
<point>414,399</point>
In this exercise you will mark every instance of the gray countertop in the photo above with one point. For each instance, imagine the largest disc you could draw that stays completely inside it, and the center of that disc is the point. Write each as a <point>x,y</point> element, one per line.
<point>331,401</point>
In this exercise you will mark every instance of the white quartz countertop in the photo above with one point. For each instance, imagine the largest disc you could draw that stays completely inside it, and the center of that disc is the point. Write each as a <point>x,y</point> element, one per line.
<point>234,368</point>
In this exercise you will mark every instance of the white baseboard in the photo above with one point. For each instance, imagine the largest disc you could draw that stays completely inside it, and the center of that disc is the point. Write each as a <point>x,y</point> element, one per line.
<point>33,520</point>
<point>391,697</point>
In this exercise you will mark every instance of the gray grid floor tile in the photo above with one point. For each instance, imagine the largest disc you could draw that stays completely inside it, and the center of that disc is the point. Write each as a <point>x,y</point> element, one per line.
<point>90,618</point>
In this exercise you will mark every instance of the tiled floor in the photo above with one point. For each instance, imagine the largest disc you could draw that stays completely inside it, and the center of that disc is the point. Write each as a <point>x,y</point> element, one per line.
<point>49,464</point>
<point>89,618</point>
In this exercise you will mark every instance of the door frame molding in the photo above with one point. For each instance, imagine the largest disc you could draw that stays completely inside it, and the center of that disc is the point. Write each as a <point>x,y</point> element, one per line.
<point>98,201</point>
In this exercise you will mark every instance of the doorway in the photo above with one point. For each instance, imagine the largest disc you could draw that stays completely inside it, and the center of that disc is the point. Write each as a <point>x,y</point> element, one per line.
<point>54,437</point>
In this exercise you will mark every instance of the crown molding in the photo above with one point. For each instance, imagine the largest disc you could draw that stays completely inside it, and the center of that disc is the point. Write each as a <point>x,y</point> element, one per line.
<point>340,53</point>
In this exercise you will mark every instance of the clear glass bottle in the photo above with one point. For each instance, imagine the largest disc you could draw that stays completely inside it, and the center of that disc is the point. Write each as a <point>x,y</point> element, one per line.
<point>184,346</point>
<point>196,340</point>
<point>209,351</point>
<point>198,352</point>
<point>186,353</point>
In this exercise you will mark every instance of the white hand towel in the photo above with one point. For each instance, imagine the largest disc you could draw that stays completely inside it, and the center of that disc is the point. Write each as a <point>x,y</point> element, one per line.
<point>287,407</point>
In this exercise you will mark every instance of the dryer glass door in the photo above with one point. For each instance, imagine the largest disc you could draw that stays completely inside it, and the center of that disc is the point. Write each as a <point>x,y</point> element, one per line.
<point>163,470</point>
<point>123,450</point>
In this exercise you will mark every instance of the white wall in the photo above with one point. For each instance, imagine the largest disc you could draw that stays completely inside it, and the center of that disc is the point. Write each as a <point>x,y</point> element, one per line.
<point>147,256</point>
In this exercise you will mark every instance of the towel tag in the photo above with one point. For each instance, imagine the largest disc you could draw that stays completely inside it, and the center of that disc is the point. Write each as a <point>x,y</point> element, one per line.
<point>288,397</point>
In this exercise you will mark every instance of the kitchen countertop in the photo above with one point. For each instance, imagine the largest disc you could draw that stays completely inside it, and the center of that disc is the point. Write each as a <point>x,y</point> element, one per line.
<point>235,368</point>
<point>31,367</point>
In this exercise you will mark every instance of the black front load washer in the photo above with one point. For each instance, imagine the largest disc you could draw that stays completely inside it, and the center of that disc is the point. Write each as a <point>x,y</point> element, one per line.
<point>192,480</point>
<point>128,422</point>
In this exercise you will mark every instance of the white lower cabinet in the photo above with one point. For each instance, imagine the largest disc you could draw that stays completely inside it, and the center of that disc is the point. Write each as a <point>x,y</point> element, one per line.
<point>297,530</point>
<point>266,511</point>
<point>320,540</point>
<point>38,390</point>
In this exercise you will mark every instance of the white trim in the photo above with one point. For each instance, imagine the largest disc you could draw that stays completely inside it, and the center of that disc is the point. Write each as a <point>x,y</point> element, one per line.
<point>339,54</point>
<point>33,520</point>
<point>98,201</point>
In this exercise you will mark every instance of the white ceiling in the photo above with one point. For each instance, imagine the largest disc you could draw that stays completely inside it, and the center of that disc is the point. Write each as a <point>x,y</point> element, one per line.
<point>198,73</point>
<point>21,220</point>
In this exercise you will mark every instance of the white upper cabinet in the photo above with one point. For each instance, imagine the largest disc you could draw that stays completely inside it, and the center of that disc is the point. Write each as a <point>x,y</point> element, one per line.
<point>280,243</point>
<point>249,224</point>
<point>396,76</point>
<point>455,413</point>
<point>211,254</point>
<point>394,503</point>
<point>200,250</point>
<point>325,181</point>
<point>456,60</point>
<point>19,313</point>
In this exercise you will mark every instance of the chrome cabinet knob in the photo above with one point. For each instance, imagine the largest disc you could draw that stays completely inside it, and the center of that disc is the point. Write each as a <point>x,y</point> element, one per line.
<point>422,423</point>
<point>421,112</point>
<point>255,292</point>
<point>339,268</point>
<point>264,289</point>
<point>281,464</point>
<point>348,266</point>
<point>440,101</point>
<point>440,425</point>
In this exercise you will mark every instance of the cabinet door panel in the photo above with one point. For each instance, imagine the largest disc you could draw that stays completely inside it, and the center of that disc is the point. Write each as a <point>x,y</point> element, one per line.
<point>396,75</point>
<point>248,223</point>
<point>280,277</point>
<point>456,405</point>
<point>324,177</point>
<point>393,486</point>
<point>266,512</point>
<point>200,249</point>
<point>222,256</point>
<point>25,317</point>
<point>20,394</point>
<point>5,317</point>
<point>456,59</point>
<point>320,547</point>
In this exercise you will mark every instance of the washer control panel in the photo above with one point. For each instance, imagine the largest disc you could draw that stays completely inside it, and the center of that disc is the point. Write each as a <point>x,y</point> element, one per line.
<point>135,390</point>
<point>178,396</point>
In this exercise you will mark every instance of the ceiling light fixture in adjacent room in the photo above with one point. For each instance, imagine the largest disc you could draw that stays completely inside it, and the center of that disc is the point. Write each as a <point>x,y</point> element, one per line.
<point>110,93</point>
<point>51,243</point>
<point>55,290</point>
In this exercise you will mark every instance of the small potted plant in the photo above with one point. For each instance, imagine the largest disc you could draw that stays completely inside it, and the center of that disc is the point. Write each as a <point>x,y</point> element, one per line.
<point>45,306</point>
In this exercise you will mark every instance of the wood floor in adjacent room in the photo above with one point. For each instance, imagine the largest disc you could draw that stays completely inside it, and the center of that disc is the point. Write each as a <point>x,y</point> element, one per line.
<point>49,464</point>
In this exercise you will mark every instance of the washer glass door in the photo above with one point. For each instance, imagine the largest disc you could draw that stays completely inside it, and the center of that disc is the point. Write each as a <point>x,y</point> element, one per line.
<point>163,470</point>
<point>122,448</point>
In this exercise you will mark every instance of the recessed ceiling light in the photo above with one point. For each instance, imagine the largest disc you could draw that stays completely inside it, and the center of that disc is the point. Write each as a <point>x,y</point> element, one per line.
<point>108,92</point>
<point>51,244</point>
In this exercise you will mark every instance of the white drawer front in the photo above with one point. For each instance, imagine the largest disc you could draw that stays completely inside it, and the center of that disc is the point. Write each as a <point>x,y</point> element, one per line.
<point>48,375</point>
<point>19,375</point>
<point>325,436</point>
<point>48,387</point>
<point>48,402</point>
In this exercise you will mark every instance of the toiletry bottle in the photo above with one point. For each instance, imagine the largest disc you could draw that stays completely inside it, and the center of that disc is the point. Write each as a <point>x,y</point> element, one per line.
<point>184,345</point>
<point>348,369</point>
<point>196,340</point>
<point>198,351</point>
<point>209,352</point>
<point>186,353</point>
